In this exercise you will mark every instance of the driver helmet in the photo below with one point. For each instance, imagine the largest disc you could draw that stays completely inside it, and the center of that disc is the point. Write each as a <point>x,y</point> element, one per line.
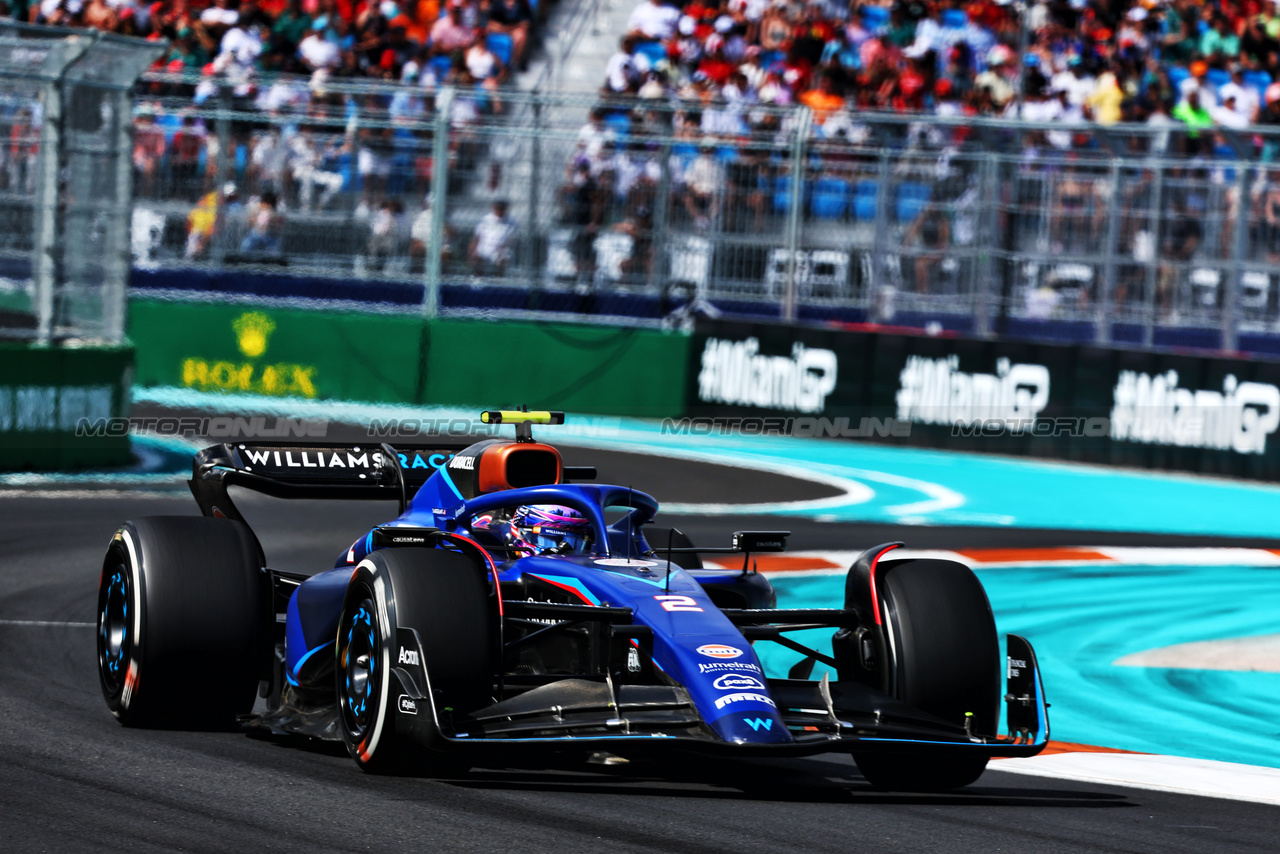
<point>551,528</point>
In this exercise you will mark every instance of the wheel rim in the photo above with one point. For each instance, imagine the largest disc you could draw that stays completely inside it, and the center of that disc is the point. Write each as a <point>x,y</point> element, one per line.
<point>115,638</point>
<point>358,660</point>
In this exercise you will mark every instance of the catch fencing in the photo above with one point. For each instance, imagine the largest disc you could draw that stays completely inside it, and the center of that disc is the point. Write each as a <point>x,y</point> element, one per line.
<point>973,225</point>
<point>65,181</point>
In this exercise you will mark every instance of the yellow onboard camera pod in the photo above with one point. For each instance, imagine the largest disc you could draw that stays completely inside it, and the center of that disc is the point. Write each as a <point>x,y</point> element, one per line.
<point>512,416</point>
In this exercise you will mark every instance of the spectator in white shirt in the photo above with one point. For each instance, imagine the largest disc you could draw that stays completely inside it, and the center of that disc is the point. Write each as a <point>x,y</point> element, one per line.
<point>621,74</point>
<point>592,135</point>
<point>1228,115</point>
<point>494,237</point>
<point>653,20</point>
<point>1246,96</point>
<point>1160,119</point>
<point>316,50</point>
<point>483,64</point>
<point>702,180</point>
<point>1075,81</point>
<point>1069,114</point>
<point>219,15</point>
<point>245,45</point>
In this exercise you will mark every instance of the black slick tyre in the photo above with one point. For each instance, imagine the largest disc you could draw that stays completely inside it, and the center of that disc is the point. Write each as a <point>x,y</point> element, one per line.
<point>443,596</point>
<point>183,621</point>
<point>945,659</point>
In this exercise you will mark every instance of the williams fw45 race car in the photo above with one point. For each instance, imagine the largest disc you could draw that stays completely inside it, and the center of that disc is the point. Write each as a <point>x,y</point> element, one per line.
<point>511,608</point>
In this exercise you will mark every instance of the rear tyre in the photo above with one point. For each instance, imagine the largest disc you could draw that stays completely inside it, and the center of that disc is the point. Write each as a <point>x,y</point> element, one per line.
<point>183,618</point>
<point>444,597</point>
<point>945,660</point>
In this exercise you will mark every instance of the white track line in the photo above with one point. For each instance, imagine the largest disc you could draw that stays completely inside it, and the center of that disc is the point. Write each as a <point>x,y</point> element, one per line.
<point>64,624</point>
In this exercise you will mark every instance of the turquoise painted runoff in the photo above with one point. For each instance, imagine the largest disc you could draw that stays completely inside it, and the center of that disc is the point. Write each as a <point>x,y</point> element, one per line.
<point>1081,619</point>
<point>894,484</point>
<point>979,489</point>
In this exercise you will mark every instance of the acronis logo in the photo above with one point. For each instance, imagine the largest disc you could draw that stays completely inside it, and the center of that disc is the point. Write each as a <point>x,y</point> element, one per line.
<point>758,724</point>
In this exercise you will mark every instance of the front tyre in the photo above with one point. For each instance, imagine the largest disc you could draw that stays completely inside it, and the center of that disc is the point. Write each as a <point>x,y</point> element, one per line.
<point>945,660</point>
<point>443,596</point>
<point>183,617</point>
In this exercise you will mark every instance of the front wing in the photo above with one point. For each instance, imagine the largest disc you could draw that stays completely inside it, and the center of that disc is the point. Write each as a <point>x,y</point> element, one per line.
<point>821,717</point>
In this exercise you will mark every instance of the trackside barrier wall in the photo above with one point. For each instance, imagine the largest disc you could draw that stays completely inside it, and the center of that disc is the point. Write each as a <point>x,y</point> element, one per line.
<point>1072,402</point>
<point>46,392</point>
<point>391,358</point>
<point>218,347</point>
<point>579,368</point>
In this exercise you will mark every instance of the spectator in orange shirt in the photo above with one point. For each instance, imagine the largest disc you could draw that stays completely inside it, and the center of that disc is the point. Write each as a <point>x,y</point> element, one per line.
<point>823,99</point>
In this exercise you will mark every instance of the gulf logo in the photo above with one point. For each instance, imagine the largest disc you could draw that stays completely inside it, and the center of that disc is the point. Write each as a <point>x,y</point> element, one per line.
<point>719,650</point>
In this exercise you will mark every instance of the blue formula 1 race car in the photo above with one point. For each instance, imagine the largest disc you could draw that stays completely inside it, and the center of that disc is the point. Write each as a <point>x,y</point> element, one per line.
<point>512,608</point>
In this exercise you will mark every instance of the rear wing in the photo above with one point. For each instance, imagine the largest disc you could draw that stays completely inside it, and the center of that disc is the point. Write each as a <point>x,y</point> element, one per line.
<point>304,470</point>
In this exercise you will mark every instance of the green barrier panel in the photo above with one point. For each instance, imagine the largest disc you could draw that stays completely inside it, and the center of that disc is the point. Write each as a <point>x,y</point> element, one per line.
<point>581,368</point>
<point>55,406</point>
<point>276,352</point>
<point>377,357</point>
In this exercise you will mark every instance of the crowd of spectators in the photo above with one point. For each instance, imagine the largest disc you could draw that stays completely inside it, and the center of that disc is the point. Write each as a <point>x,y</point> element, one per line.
<point>702,73</point>
<point>412,41</point>
<point>281,60</point>
<point>1204,64</point>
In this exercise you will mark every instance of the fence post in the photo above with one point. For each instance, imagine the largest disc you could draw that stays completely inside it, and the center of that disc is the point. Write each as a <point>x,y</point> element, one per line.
<point>219,247</point>
<point>1235,277</point>
<point>1153,266</point>
<point>1107,287</point>
<point>879,256</point>
<point>439,193</point>
<point>44,262</point>
<point>535,193</point>
<point>116,279</point>
<point>658,268</point>
<point>799,149</point>
<point>44,271</point>
<point>982,242</point>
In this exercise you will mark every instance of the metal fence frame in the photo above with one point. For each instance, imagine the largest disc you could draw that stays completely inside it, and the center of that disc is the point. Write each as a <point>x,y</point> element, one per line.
<point>1037,204</point>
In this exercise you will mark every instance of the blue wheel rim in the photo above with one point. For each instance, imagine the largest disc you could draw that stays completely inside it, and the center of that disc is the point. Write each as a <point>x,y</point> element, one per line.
<point>359,668</point>
<point>115,635</point>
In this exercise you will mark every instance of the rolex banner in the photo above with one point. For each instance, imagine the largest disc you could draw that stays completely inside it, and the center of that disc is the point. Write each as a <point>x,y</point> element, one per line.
<point>269,352</point>
<point>1071,402</point>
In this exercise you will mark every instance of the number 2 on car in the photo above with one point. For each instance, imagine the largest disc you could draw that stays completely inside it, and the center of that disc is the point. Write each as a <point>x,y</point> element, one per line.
<point>678,603</point>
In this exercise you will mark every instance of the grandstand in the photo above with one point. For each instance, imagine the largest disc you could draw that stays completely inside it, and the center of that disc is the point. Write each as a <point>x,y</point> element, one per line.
<point>1079,170</point>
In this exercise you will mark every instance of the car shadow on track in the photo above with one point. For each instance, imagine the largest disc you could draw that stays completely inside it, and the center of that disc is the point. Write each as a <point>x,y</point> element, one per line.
<point>794,781</point>
<point>829,780</point>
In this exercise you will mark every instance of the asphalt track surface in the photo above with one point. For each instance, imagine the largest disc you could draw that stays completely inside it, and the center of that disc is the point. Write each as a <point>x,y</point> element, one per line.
<point>74,780</point>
